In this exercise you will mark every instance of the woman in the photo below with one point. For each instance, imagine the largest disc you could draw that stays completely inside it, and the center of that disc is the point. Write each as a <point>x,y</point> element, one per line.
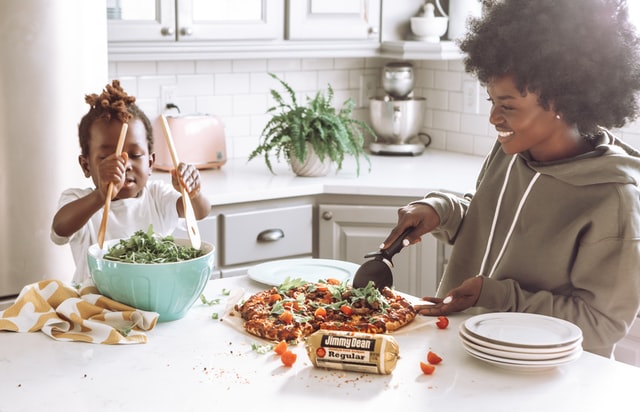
<point>554,225</point>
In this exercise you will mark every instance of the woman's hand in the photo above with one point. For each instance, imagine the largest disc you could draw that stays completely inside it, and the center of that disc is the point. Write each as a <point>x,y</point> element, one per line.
<point>187,175</point>
<point>463,297</point>
<point>421,217</point>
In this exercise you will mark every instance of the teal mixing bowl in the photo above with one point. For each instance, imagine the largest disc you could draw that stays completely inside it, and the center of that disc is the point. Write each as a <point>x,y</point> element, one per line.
<point>170,289</point>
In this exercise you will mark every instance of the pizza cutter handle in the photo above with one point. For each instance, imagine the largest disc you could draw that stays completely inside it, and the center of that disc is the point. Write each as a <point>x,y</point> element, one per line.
<point>396,246</point>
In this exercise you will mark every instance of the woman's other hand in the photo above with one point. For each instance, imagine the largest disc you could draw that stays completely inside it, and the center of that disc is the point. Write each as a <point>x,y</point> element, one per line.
<point>463,297</point>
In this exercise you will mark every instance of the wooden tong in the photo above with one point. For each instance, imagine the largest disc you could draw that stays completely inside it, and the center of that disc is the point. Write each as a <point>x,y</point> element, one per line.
<point>107,201</point>
<point>189,215</point>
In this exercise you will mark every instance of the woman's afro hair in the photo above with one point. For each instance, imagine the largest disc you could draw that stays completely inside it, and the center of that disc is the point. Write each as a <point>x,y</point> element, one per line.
<point>582,57</point>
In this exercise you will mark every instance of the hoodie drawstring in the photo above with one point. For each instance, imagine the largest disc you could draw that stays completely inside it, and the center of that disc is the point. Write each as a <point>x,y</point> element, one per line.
<point>495,219</point>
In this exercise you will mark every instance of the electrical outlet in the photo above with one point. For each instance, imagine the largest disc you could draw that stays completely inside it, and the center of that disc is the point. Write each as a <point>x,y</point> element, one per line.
<point>471,96</point>
<point>367,89</point>
<point>167,95</point>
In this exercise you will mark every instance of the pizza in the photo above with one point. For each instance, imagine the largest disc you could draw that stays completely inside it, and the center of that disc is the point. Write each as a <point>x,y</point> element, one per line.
<point>297,308</point>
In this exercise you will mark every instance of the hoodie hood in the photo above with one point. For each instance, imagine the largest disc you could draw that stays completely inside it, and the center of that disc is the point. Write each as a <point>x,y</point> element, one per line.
<point>611,161</point>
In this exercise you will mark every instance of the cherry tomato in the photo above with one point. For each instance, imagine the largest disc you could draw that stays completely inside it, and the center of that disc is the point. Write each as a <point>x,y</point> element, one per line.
<point>288,358</point>
<point>433,358</point>
<point>426,368</point>
<point>347,310</point>
<point>442,322</point>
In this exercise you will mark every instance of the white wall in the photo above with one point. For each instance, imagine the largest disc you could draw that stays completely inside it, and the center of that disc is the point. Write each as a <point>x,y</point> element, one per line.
<point>51,52</point>
<point>238,91</point>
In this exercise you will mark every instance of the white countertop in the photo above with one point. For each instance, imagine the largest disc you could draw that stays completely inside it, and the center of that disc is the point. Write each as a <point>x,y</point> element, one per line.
<point>242,181</point>
<point>200,364</point>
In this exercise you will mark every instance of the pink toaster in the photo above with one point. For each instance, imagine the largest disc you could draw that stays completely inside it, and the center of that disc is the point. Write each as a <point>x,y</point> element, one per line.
<point>199,139</point>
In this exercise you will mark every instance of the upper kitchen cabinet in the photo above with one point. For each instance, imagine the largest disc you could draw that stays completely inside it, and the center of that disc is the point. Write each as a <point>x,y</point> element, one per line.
<point>194,20</point>
<point>333,20</point>
<point>191,29</point>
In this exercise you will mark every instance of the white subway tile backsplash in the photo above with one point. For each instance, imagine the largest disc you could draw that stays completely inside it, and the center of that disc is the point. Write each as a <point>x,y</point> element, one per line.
<point>303,83</point>
<point>459,142</point>
<point>338,79</point>
<point>219,105</point>
<point>284,65</point>
<point>249,66</point>
<point>446,120</point>
<point>195,85</point>
<point>231,83</point>
<point>136,68</point>
<point>437,99</point>
<point>473,123</point>
<point>176,67</point>
<point>214,66</point>
<point>317,64</point>
<point>451,81</point>
<point>239,93</point>
<point>248,104</point>
<point>343,64</point>
<point>151,86</point>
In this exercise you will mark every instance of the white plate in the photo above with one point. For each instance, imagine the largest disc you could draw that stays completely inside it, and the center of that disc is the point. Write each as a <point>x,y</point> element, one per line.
<point>523,330</point>
<point>310,270</point>
<point>523,364</point>
<point>508,353</point>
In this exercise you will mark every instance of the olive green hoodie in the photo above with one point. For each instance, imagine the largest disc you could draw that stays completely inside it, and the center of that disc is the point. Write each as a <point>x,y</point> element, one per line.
<point>566,241</point>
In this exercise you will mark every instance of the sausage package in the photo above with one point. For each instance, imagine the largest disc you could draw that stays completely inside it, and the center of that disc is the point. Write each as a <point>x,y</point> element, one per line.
<point>354,351</point>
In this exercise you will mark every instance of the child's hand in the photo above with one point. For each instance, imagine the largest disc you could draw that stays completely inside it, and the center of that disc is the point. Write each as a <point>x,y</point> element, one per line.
<point>112,170</point>
<point>189,176</point>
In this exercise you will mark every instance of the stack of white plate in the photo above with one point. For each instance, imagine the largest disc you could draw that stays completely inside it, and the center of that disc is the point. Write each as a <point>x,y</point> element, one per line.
<point>522,341</point>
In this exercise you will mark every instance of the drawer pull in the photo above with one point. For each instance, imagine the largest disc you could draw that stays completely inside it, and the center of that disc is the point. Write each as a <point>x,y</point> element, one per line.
<point>270,235</point>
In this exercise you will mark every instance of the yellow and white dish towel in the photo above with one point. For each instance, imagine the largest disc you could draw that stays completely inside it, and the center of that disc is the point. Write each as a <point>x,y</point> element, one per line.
<point>65,314</point>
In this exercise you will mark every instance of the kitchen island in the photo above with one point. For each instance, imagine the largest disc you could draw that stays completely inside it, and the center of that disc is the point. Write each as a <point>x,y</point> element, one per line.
<point>198,363</point>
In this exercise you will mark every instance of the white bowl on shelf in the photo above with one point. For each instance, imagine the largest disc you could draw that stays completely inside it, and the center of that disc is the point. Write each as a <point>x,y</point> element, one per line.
<point>429,29</point>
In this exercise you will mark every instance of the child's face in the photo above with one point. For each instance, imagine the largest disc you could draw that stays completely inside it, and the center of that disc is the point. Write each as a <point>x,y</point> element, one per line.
<point>103,139</point>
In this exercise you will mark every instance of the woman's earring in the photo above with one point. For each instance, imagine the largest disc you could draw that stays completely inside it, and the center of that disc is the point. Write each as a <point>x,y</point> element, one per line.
<point>558,116</point>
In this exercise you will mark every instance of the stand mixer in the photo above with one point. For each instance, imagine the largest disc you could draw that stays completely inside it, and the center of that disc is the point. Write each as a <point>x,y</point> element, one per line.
<point>397,116</point>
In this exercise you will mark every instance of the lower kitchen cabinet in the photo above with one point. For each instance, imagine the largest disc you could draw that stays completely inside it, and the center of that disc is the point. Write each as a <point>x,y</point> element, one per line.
<point>256,232</point>
<point>348,232</point>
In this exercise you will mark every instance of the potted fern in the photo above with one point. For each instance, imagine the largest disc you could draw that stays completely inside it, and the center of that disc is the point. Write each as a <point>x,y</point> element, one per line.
<point>300,133</point>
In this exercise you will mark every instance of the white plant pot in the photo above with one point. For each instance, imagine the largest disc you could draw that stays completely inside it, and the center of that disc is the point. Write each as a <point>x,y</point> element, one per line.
<point>312,166</point>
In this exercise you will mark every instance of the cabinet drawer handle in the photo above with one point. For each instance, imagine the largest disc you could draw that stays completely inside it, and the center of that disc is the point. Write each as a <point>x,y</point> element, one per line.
<point>327,215</point>
<point>270,235</point>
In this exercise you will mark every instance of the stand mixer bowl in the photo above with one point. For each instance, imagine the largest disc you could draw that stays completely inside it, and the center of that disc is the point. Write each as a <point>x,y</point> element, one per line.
<point>396,121</point>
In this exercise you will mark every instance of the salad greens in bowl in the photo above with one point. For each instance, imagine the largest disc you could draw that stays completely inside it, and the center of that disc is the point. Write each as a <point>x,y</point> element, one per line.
<point>152,273</point>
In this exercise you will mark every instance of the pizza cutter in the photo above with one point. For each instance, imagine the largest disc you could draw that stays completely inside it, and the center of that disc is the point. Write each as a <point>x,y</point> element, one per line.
<point>378,269</point>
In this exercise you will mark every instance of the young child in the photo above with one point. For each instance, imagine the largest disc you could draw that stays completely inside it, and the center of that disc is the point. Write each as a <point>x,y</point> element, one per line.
<point>137,202</point>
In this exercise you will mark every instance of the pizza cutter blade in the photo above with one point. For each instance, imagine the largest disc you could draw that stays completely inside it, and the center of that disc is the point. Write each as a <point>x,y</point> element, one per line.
<point>378,270</point>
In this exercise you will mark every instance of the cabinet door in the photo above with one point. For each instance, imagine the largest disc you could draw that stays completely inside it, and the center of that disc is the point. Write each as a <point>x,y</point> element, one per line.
<point>230,20</point>
<point>141,20</point>
<point>333,20</point>
<point>194,20</point>
<point>348,232</point>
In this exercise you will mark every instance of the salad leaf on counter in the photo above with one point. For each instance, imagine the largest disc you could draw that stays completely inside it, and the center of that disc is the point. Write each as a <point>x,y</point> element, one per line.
<point>146,247</point>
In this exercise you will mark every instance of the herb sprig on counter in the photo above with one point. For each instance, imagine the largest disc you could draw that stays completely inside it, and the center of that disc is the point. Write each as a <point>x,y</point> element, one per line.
<point>146,247</point>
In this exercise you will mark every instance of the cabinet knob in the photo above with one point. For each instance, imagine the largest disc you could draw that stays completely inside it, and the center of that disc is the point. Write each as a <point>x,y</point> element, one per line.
<point>167,31</point>
<point>327,215</point>
<point>186,31</point>
<point>270,235</point>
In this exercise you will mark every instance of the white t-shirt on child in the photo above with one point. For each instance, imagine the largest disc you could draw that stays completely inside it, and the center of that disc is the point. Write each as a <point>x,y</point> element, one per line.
<point>155,206</point>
